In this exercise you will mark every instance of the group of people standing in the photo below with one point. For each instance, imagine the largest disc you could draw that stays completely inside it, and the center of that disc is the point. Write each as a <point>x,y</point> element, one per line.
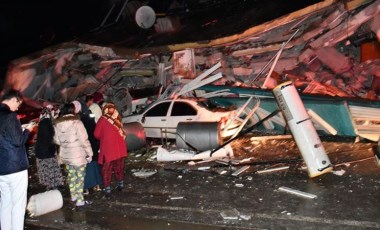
<point>88,139</point>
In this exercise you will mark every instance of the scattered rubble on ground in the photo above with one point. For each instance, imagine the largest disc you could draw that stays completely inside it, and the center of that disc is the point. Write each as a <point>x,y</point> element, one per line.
<point>281,156</point>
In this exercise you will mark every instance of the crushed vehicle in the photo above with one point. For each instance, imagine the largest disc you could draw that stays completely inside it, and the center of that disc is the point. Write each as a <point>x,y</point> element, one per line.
<point>161,118</point>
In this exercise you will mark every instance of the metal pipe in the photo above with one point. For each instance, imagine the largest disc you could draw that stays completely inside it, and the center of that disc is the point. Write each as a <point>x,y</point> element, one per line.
<point>273,65</point>
<point>281,48</point>
<point>121,10</point>
<point>108,14</point>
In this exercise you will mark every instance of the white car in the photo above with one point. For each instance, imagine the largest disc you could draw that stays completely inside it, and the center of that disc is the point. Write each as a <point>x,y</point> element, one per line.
<point>160,119</point>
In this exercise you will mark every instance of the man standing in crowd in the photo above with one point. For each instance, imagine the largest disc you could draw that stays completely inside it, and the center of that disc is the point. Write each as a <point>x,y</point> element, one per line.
<point>93,107</point>
<point>14,163</point>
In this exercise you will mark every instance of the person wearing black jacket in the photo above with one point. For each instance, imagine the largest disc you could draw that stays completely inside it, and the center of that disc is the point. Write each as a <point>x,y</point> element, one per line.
<point>93,178</point>
<point>48,169</point>
<point>14,162</point>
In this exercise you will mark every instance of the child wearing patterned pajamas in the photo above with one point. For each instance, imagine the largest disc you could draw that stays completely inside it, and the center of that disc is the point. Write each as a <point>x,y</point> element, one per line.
<point>75,151</point>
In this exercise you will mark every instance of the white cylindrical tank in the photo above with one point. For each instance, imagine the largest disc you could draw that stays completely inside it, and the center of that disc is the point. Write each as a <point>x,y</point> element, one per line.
<point>302,129</point>
<point>45,202</point>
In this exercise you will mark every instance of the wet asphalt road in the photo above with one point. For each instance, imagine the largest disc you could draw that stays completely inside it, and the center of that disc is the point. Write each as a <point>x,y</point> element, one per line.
<point>179,196</point>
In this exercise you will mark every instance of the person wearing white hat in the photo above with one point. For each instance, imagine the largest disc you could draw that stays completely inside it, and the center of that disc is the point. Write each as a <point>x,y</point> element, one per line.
<point>93,177</point>
<point>75,151</point>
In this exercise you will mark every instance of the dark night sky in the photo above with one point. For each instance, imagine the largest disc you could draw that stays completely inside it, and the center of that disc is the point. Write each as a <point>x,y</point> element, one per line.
<point>27,26</point>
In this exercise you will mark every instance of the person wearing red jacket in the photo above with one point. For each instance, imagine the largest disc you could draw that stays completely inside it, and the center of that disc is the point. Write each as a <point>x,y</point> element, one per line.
<point>113,149</point>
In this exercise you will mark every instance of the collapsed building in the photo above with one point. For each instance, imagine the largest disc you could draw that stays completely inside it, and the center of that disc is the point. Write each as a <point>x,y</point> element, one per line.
<point>329,48</point>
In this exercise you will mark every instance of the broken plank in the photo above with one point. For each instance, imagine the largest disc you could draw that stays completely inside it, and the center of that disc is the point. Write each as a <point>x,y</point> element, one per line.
<point>277,137</point>
<point>242,169</point>
<point>316,118</point>
<point>203,82</point>
<point>278,119</point>
<point>201,77</point>
<point>272,170</point>
<point>368,128</point>
<point>297,192</point>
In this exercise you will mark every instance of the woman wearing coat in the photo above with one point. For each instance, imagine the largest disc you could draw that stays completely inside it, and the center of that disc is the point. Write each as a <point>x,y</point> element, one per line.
<point>113,150</point>
<point>75,151</point>
<point>93,177</point>
<point>48,168</point>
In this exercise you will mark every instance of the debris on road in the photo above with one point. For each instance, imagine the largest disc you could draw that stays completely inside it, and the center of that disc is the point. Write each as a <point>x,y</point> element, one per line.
<point>176,197</point>
<point>297,192</point>
<point>144,173</point>
<point>240,170</point>
<point>272,170</point>
<point>232,214</point>
<point>339,172</point>
<point>178,155</point>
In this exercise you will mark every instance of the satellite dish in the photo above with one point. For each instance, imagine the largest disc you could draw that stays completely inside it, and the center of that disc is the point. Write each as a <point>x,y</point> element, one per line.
<point>145,17</point>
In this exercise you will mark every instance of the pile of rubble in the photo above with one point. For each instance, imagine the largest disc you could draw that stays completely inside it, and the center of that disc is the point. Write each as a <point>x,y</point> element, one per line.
<point>334,51</point>
<point>331,48</point>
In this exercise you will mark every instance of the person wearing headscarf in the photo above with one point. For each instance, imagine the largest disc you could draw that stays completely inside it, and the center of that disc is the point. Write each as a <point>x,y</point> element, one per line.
<point>93,177</point>
<point>75,151</point>
<point>113,150</point>
<point>48,169</point>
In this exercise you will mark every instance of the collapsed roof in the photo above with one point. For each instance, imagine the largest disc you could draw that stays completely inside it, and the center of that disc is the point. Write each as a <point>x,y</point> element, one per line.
<point>331,47</point>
